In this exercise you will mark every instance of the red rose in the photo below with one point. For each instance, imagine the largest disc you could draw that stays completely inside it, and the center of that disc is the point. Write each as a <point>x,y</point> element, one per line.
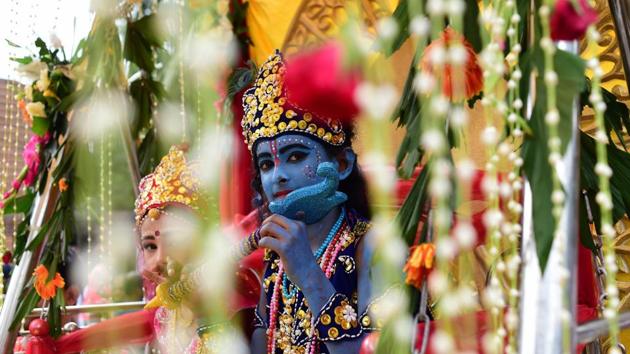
<point>317,82</point>
<point>567,23</point>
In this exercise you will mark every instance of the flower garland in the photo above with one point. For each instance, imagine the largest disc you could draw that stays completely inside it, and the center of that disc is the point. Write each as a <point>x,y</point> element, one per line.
<point>326,262</point>
<point>604,199</point>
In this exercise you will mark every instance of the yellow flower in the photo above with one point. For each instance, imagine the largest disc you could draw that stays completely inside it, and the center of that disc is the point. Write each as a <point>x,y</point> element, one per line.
<point>50,93</point>
<point>28,92</point>
<point>43,82</point>
<point>36,109</point>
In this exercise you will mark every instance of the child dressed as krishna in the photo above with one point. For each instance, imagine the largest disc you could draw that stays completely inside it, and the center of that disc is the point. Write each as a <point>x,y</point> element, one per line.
<point>316,284</point>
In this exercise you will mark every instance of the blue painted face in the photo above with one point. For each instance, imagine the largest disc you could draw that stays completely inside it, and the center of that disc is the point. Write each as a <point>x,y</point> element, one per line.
<point>289,162</point>
<point>298,176</point>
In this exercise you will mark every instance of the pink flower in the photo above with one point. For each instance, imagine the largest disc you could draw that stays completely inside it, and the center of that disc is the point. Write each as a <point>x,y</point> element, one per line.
<point>16,184</point>
<point>31,156</point>
<point>317,82</point>
<point>6,194</point>
<point>568,23</point>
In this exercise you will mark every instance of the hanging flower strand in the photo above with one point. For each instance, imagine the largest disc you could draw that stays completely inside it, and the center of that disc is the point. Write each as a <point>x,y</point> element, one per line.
<point>511,189</point>
<point>552,119</point>
<point>603,198</point>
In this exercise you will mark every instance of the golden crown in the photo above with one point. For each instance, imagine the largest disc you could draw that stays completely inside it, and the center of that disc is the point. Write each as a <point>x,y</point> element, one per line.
<point>172,182</point>
<point>268,113</point>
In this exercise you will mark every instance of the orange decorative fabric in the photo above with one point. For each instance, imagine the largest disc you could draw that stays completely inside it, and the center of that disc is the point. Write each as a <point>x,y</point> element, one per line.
<point>473,77</point>
<point>419,264</point>
<point>45,288</point>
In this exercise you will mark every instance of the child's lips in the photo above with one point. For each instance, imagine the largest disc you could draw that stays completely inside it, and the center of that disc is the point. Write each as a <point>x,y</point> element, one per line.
<point>281,194</point>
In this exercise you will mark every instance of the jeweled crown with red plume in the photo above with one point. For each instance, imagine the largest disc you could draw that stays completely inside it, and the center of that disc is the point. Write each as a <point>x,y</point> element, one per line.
<point>172,182</point>
<point>269,110</point>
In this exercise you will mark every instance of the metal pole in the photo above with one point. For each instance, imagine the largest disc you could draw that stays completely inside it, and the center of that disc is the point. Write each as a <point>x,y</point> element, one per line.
<point>548,307</point>
<point>592,330</point>
<point>620,10</point>
<point>96,308</point>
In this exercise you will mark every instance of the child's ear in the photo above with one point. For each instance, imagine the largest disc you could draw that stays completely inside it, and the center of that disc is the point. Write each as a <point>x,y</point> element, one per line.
<point>346,160</point>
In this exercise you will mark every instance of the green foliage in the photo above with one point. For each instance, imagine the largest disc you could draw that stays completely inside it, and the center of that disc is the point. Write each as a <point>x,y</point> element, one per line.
<point>535,152</point>
<point>471,25</point>
<point>408,114</point>
<point>619,162</point>
<point>616,116</point>
<point>410,212</point>
<point>27,304</point>
<point>40,125</point>
<point>141,38</point>
<point>401,15</point>
<point>19,204</point>
<point>103,49</point>
<point>146,93</point>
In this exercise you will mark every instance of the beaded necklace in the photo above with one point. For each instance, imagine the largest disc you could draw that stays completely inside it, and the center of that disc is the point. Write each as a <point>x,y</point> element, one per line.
<point>326,259</point>
<point>286,284</point>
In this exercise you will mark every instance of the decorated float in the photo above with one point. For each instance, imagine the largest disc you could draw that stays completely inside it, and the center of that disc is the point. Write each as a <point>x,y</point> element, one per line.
<point>493,136</point>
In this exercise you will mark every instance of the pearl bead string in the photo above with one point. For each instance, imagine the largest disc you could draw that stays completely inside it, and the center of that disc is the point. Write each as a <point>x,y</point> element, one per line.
<point>333,231</point>
<point>326,260</point>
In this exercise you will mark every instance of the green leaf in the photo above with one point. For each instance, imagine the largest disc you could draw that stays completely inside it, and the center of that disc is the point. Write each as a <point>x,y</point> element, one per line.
<point>619,162</point>
<point>401,15</point>
<point>25,307</point>
<point>40,125</point>
<point>44,53</point>
<point>537,169</point>
<point>12,44</point>
<point>408,217</point>
<point>140,39</point>
<point>570,69</point>
<point>616,116</point>
<point>54,314</point>
<point>471,25</point>
<point>148,26</point>
<point>20,204</point>
<point>50,227</point>
<point>21,236</point>
<point>23,60</point>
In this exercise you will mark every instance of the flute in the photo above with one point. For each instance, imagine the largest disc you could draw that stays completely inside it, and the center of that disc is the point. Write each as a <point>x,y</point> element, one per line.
<point>179,289</point>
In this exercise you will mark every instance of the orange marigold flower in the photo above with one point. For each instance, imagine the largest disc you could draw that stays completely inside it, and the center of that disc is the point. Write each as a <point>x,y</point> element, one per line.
<point>419,264</point>
<point>25,116</point>
<point>63,185</point>
<point>452,87</point>
<point>45,288</point>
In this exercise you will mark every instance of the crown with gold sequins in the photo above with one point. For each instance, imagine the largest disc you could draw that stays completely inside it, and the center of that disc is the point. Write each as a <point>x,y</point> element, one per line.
<point>268,113</point>
<point>172,182</point>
